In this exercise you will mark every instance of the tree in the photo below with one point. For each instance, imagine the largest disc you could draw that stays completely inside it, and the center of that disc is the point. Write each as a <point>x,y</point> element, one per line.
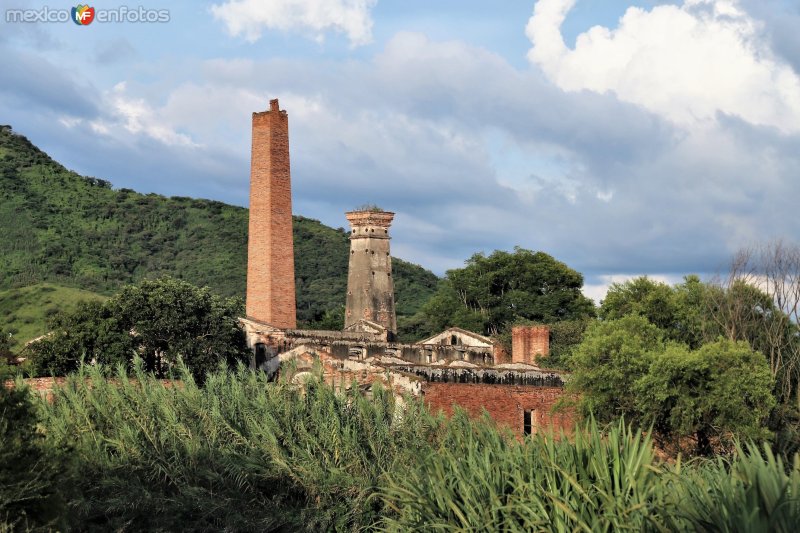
<point>623,367</point>
<point>759,302</point>
<point>160,320</point>
<point>716,393</point>
<point>332,320</point>
<point>492,292</point>
<point>679,311</point>
<point>446,309</point>
<point>171,318</point>
<point>92,332</point>
<point>642,296</point>
<point>612,357</point>
<point>692,325</point>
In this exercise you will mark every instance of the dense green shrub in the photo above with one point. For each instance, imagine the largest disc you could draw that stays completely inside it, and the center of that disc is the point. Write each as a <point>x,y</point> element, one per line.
<point>681,312</point>
<point>696,401</point>
<point>161,321</point>
<point>613,355</point>
<point>493,292</point>
<point>712,395</point>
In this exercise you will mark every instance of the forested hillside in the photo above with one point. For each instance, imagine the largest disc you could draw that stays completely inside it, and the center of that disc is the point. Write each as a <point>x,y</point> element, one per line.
<point>75,231</point>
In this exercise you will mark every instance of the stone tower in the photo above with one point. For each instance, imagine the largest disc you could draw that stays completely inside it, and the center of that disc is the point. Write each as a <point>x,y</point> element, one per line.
<point>270,250</point>
<point>370,288</point>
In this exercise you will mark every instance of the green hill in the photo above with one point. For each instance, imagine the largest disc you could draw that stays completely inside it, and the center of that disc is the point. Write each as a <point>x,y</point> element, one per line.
<point>24,311</point>
<point>75,231</point>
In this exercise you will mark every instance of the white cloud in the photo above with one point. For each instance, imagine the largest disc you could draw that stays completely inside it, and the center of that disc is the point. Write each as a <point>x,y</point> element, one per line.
<point>136,116</point>
<point>69,122</point>
<point>251,17</point>
<point>685,63</point>
<point>130,117</point>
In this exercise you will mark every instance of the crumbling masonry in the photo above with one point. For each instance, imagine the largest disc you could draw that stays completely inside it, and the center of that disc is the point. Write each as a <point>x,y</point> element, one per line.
<point>454,367</point>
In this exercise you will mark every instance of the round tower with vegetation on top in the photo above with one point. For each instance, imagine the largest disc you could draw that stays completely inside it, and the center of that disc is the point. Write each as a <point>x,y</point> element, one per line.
<point>370,288</point>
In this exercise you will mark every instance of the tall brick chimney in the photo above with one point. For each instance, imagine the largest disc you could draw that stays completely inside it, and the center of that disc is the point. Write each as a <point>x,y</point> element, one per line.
<point>370,288</point>
<point>270,249</point>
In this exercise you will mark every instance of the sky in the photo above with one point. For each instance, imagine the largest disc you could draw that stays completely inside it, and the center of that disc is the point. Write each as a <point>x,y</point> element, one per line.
<point>621,137</point>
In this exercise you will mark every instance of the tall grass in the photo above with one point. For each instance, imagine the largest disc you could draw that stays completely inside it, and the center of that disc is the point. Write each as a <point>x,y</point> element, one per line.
<point>242,454</point>
<point>239,453</point>
<point>600,480</point>
<point>479,479</point>
<point>752,491</point>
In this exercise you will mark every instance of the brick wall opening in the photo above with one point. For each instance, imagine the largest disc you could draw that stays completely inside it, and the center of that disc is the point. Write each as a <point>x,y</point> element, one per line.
<point>523,409</point>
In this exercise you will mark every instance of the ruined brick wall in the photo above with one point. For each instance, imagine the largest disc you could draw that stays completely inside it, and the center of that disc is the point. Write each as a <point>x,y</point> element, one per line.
<point>528,343</point>
<point>270,250</point>
<point>343,373</point>
<point>506,405</point>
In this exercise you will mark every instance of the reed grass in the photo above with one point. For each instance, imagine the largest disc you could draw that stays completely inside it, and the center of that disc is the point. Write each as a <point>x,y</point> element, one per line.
<point>480,479</point>
<point>239,454</point>
<point>243,454</point>
<point>601,479</point>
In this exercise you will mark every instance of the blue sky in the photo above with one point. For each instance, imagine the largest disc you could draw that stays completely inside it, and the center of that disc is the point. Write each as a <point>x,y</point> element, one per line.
<point>623,138</point>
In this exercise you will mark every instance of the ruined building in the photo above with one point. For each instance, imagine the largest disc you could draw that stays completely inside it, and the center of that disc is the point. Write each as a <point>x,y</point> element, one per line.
<point>454,367</point>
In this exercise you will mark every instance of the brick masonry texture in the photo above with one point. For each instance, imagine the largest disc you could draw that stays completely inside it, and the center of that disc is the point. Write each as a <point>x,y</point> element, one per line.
<point>528,343</point>
<point>270,251</point>
<point>505,405</point>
